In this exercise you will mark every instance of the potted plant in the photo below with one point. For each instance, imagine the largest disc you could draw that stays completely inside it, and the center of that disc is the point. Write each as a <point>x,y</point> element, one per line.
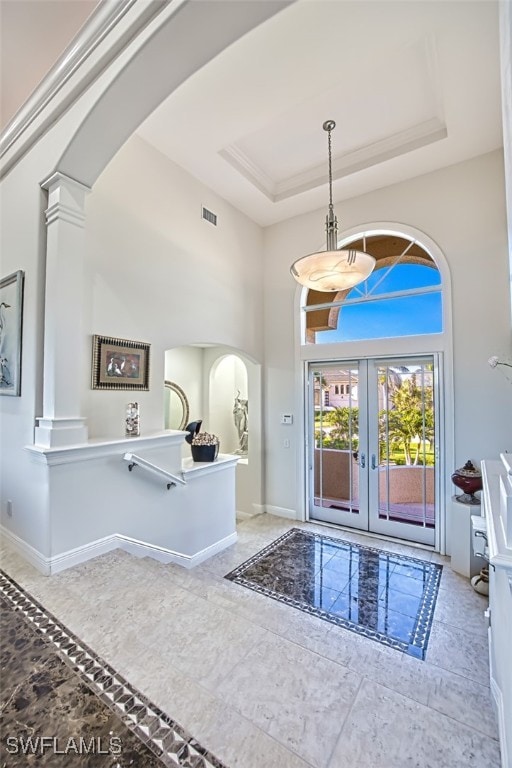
<point>204,446</point>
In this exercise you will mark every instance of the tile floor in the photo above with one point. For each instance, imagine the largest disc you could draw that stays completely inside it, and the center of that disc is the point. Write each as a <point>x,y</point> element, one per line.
<point>62,705</point>
<point>263,685</point>
<point>387,596</point>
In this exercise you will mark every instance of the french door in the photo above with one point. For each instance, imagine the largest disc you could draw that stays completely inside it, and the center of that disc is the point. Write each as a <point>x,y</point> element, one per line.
<point>373,445</point>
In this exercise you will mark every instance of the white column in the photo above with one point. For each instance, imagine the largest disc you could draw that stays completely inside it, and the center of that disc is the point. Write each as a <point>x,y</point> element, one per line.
<point>64,372</point>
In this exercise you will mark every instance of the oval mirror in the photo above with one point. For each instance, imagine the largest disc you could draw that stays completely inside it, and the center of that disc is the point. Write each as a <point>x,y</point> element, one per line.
<point>176,408</point>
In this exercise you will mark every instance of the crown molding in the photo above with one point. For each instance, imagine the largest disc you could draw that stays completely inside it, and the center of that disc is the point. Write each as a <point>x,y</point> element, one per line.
<point>74,72</point>
<point>363,157</point>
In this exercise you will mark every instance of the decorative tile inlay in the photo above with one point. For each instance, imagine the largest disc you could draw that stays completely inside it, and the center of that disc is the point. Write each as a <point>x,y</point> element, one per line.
<point>55,659</point>
<point>381,595</point>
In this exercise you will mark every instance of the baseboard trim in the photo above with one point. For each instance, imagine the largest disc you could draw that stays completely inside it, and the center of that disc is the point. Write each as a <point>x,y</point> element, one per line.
<point>83,553</point>
<point>51,565</point>
<point>258,509</point>
<point>145,549</point>
<point>27,551</point>
<point>291,514</point>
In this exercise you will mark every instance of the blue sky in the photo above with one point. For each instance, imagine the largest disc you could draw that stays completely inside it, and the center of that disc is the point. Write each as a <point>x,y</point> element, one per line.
<point>406,316</point>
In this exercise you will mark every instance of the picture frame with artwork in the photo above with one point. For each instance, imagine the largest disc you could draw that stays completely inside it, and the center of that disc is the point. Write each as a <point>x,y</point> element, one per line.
<point>11,322</point>
<point>119,364</point>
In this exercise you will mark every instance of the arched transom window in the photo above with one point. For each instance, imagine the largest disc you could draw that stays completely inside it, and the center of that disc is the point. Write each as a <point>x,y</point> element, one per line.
<point>402,296</point>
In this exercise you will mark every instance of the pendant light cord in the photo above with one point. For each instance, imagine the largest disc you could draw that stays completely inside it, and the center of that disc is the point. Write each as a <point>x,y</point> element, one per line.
<point>331,223</point>
<point>330,166</point>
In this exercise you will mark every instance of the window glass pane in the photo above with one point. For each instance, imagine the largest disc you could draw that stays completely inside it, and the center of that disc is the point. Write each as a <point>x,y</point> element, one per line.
<point>399,278</point>
<point>404,316</point>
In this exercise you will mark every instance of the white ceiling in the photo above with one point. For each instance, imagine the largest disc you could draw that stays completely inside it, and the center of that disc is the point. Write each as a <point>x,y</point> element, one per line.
<point>33,35</point>
<point>413,86</point>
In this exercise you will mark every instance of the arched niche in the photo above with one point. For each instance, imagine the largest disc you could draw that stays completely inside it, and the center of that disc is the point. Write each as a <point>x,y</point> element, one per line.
<point>211,376</point>
<point>229,372</point>
<point>228,382</point>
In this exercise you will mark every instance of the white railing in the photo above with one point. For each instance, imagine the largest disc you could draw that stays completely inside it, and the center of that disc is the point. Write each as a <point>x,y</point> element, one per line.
<point>138,461</point>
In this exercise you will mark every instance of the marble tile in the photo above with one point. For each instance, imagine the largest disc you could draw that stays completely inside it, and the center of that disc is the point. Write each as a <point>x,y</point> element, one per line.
<point>312,633</point>
<point>368,540</point>
<point>226,560</point>
<point>241,744</point>
<point>220,728</point>
<point>204,584</point>
<point>205,642</point>
<point>256,608</point>
<point>21,570</point>
<point>256,699</point>
<point>451,580</point>
<point>63,692</point>
<point>454,695</point>
<point>20,650</point>
<point>42,697</point>
<point>387,729</point>
<point>54,706</point>
<point>455,650</point>
<point>386,596</point>
<point>441,559</point>
<point>463,700</point>
<point>463,608</point>
<point>397,671</point>
<point>343,646</point>
<point>294,695</point>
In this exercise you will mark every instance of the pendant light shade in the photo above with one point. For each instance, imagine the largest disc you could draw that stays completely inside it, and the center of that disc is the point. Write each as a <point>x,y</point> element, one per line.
<point>332,269</point>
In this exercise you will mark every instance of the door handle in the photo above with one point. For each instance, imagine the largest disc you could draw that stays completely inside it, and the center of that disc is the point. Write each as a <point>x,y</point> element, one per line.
<point>362,461</point>
<point>374,463</point>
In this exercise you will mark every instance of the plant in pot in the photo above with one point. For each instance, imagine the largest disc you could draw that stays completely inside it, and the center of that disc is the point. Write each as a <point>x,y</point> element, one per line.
<point>204,446</point>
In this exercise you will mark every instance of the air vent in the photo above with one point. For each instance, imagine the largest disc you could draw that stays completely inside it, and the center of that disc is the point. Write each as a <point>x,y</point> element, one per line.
<point>209,216</point>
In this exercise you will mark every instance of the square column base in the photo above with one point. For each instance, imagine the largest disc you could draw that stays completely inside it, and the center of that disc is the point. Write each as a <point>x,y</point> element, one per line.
<point>56,433</point>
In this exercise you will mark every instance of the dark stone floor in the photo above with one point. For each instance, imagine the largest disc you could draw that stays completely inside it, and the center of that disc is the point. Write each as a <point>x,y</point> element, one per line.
<point>382,595</point>
<point>62,706</point>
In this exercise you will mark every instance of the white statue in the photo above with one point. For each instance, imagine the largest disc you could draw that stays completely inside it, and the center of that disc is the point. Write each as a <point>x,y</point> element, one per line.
<point>240,415</point>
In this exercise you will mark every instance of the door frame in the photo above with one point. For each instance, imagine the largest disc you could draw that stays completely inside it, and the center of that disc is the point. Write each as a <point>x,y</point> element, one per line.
<point>388,527</point>
<point>368,488</point>
<point>363,518</point>
<point>440,343</point>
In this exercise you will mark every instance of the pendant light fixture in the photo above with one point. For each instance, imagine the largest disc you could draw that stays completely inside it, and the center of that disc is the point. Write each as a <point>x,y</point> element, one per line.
<point>332,269</point>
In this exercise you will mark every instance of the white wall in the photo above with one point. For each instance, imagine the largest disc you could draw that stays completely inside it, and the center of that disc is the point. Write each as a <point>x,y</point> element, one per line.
<point>23,246</point>
<point>157,273</point>
<point>462,209</point>
<point>160,274</point>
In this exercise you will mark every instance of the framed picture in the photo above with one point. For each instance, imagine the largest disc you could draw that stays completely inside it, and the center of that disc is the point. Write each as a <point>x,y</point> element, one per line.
<point>11,315</point>
<point>119,364</point>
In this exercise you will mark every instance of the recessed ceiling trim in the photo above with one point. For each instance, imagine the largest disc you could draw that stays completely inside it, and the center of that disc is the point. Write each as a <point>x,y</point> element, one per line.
<point>420,135</point>
<point>241,162</point>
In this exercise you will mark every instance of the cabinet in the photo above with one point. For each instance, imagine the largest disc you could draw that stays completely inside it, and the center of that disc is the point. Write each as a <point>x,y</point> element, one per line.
<point>496,497</point>
<point>463,559</point>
